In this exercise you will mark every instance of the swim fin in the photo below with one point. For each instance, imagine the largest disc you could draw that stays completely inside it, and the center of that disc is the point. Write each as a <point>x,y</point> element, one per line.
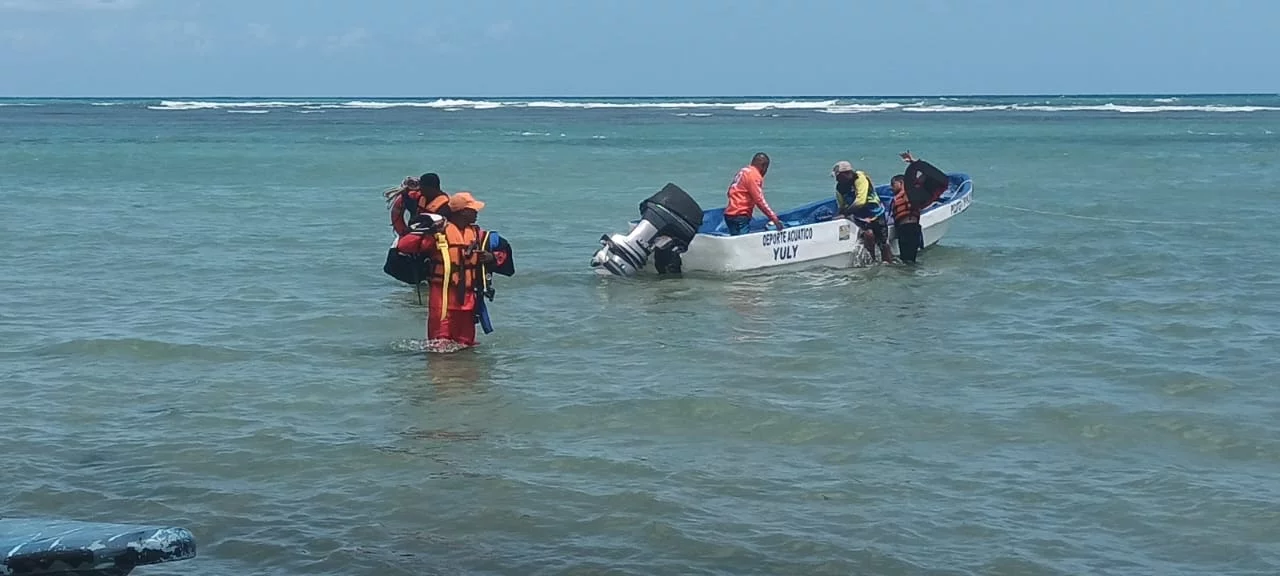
<point>482,314</point>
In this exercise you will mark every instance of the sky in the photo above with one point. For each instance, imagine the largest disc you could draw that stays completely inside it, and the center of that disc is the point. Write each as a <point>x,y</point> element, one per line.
<point>539,48</point>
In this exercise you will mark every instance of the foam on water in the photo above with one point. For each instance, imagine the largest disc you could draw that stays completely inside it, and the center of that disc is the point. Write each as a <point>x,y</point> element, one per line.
<point>829,106</point>
<point>181,105</point>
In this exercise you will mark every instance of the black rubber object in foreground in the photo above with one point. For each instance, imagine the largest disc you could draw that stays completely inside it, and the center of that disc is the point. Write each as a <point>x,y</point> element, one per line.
<point>33,547</point>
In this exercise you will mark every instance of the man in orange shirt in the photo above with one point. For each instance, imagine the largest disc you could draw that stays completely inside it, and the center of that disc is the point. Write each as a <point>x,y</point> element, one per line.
<point>746,193</point>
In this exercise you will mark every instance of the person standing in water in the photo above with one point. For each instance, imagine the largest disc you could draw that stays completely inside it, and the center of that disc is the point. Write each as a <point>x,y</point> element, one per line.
<point>416,196</point>
<point>434,200</point>
<point>926,185</point>
<point>906,222</point>
<point>457,259</point>
<point>415,206</point>
<point>460,255</point>
<point>746,193</point>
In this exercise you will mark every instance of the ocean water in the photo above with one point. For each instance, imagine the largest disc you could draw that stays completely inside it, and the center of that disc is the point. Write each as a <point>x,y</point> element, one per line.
<point>1080,379</point>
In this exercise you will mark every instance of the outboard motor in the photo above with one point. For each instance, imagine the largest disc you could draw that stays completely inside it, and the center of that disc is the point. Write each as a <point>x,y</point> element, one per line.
<point>668,222</point>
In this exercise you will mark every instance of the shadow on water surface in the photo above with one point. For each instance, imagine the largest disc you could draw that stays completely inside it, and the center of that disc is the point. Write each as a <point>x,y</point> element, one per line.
<point>434,401</point>
<point>429,375</point>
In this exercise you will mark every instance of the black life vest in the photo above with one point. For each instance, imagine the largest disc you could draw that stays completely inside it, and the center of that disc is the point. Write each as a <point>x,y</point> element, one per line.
<point>924,184</point>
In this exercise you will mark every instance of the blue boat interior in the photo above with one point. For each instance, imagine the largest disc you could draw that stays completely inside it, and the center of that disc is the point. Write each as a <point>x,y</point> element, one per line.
<point>824,210</point>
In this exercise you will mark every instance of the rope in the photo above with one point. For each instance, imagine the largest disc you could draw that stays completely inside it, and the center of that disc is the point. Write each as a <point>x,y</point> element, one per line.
<point>1079,217</point>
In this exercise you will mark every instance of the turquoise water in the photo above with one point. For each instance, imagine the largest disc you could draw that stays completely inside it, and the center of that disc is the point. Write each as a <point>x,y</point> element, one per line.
<point>195,330</point>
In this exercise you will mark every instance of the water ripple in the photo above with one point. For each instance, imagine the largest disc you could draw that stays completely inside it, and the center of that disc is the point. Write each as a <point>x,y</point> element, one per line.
<point>1048,393</point>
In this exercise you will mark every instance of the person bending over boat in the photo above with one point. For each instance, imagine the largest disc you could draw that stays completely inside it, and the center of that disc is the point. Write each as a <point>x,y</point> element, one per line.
<point>856,199</point>
<point>746,193</point>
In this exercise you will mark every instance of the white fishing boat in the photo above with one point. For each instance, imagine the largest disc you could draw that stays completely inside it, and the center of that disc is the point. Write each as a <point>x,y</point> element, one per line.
<point>682,237</point>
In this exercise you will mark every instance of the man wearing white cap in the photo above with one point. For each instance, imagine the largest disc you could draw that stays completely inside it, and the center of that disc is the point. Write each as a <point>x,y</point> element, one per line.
<point>857,200</point>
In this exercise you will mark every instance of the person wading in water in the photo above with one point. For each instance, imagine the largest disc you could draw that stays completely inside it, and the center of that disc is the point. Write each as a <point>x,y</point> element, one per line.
<point>914,191</point>
<point>460,255</point>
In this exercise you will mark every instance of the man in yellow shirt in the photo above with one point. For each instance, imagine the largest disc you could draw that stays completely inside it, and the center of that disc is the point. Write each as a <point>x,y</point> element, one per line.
<point>856,199</point>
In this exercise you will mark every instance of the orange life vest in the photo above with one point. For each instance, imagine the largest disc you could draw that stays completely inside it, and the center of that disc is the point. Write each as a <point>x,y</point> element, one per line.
<point>416,204</point>
<point>903,212</point>
<point>436,203</point>
<point>459,259</point>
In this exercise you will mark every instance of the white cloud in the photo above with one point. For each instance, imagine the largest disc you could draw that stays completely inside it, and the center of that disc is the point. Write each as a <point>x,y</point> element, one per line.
<point>67,5</point>
<point>174,32</point>
<point>104,35</point>
<point>498,30</point>
<point>25,38</point>
<point>353,38</point>
<point>262,33</point>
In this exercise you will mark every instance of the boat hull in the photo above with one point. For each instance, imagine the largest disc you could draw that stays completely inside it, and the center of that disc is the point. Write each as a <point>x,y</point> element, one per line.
<point>811,237</point>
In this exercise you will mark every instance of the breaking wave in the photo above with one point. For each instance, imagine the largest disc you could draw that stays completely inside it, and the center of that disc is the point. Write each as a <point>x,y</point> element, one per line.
<point>1109,107</point>
<point>453,104</point>
<point>704,107</point>
<point>829,106</point>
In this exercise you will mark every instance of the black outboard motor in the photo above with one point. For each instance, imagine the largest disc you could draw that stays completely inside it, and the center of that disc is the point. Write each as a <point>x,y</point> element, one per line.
<point>924,184</point>
<point>668,222</point>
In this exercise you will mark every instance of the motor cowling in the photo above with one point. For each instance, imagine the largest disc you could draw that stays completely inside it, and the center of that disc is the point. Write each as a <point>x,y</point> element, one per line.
<point>668,222</point>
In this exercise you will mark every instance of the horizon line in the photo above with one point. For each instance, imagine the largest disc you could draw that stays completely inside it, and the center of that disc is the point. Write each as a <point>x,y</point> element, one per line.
<point>653,97</point>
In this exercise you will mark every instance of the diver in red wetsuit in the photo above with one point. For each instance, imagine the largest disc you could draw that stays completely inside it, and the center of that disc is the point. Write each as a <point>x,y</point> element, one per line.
<point>461,256</point>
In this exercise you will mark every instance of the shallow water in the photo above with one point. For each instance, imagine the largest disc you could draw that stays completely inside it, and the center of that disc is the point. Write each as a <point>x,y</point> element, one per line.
<point>196,331</point>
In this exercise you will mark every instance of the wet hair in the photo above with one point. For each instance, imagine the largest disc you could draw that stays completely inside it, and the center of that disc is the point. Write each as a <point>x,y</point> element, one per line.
<point>391,194</point>
<point>430,181</point>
